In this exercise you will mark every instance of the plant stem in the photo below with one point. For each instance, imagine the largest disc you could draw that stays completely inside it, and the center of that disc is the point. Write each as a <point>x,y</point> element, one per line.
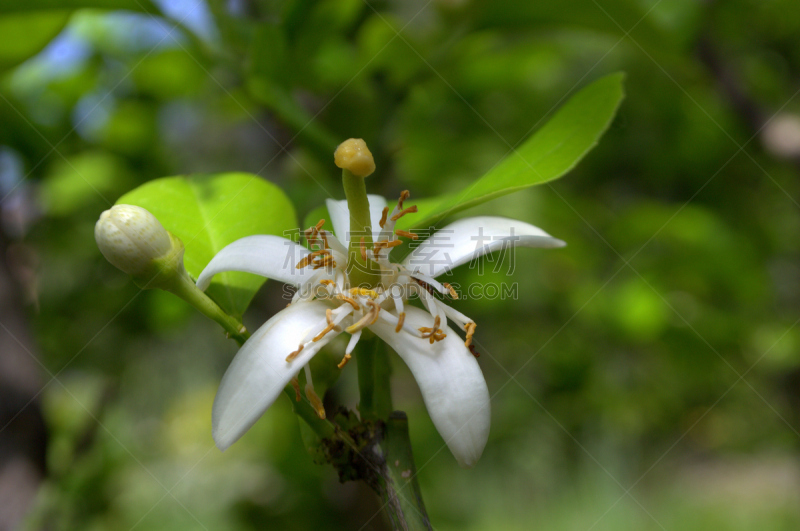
<point>373,380</point>
<point>361,272</point>
<point>390,472</point>
<point>401,492</point>
<point>391,463</point>
<point>188,291</point>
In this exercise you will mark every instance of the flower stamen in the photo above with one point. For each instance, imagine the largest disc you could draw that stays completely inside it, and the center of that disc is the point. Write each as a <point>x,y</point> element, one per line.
<point>308,258</point>
<point>296,384</point>
<point>325,260</point>
<point>324,331</point>
<point>405,194</point>
<point>386,244</point>
<point>349,301</point>
<point>434,333</point>
<point>329,319</point>
<point>410,210</point>
<point>406,234</point>
<point>369,318</point>
<point>377,309</point>
<point>316,403</point>
<point>401,319</point>
<point>451,289</point>
<point>469,328</point>
<point>296,353</point>
<point>383,216</point>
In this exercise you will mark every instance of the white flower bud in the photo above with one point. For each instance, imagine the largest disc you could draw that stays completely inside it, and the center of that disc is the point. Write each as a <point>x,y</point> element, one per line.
<point>131,238</point>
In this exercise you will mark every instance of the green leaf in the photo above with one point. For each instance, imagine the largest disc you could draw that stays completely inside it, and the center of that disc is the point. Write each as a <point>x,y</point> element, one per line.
<point>26,34</point>
<point>16,6</point>
<point>207,212</point>
<point>550,153</point>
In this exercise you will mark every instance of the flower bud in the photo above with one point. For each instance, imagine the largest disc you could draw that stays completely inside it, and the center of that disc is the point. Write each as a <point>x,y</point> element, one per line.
<point>131,238</point>
<point>353,155</point>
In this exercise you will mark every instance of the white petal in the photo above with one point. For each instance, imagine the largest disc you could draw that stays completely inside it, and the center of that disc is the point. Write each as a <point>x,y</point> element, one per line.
<point>259,371</point>
<point>340,216</point>
<point>269,256</point>
<point>451,383</point>
<point>466,239</point>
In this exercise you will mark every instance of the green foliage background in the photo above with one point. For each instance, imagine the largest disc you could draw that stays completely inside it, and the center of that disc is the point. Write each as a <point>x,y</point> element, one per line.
<point>647,375</point>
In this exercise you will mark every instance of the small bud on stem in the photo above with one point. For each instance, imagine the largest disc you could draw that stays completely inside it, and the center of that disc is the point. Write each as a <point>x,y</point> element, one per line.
<point>133,240</point>
<point>130,238</point>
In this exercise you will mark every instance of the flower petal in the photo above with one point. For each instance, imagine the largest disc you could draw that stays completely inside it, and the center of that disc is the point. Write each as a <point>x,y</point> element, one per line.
<point>340,216</point>
<point>269,256</point>
<point>466,239</point>
<point>451,383</point>
<point>259,371</point>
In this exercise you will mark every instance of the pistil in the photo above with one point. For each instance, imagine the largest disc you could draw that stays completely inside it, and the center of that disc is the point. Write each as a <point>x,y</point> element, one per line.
<point>357,163</point>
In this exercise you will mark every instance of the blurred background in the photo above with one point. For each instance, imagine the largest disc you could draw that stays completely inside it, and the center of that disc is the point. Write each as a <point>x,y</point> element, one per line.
<point>648,375</point>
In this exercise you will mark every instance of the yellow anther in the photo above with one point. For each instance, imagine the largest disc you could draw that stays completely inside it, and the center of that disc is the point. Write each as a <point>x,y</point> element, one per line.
<point>323,332</point>
<point>329,319</point>
<point>353,155</point>
<point>434,334</point>
<point>368,318</point>
<point>405,194</point>
<point>294,354</point>
<point>319,225</point>
<point>409,210</point>
<point>406,234</point>
<point>324,261</point>
<point>469,328</point>
<point>383,216</point>
<point>311,234</point>
<point>451,289</point>
<point>349,301</point>
<point>327,282</point>
<point>296,384</point>
<point>344,361</point>
<point>387,244</point>
<point>310,258</point>
<point>364,292</point>
<point>316,403</point>
<point>358,325</point>
<point>401,319</point>
<point>377,309</point>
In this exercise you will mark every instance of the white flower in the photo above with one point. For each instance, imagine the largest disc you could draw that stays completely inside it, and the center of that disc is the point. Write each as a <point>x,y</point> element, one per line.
<point>326,305</point>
